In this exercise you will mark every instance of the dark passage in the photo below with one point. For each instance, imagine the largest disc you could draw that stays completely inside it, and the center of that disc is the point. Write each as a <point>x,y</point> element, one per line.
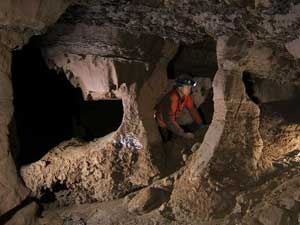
<point>249,86</point>
<point>197,60</point>
<point>49,110</point>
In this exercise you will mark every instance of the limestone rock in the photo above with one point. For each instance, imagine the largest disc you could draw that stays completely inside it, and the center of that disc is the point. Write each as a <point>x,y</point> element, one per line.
<point>105,41</point>
<point>271,216</point>
<point>230,126</point>
<point>147,200</point>
<point>278,130</point>
<point>16,19</point>
<point>97,171</point>
<point>25,216</point>
<point>266,90</point>
<point>97,77</point>
<point>114,49</point>
<point>294,48</point>
<point>178,20</point>
<point>12,190</point>
<point>107,168</point>
<point>49,217</point>
<point>33,14</point>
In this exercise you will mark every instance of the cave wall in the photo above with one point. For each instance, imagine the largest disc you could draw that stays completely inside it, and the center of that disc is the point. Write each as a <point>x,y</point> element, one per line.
<point>278,103</point>
<point>266,90</point>
<point>35,15</point>
<point>12,189</point>
<point>235,136</point>
<point>111,168</point>
<point>232,139</point>
<point>235,148</point>
<point>15,17</point>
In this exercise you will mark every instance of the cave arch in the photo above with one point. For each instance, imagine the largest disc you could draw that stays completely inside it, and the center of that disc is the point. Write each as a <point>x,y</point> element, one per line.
<point>199,60</point>
<point>49,110</point>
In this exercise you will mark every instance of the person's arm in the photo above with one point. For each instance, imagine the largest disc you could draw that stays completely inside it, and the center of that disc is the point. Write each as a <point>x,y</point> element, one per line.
<point>193,110</point>
<point>169,116</point>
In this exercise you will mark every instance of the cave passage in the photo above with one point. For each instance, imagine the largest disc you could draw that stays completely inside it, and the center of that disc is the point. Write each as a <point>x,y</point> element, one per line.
<point>273,97</point>
<point>199,60</point>
<point>49,110</point>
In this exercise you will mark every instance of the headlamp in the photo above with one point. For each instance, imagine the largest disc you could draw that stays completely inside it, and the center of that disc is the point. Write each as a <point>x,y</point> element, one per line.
<point>188,82</point>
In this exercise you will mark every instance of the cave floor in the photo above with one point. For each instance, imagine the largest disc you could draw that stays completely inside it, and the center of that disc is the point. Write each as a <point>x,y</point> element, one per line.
<point>278,189</point>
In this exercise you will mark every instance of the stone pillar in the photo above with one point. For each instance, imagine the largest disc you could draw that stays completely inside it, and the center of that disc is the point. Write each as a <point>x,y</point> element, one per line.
<point>227,158</point>
<point>151,90</point>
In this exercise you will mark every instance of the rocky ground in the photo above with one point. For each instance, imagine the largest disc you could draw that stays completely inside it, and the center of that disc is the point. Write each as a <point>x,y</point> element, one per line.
<point>274,199</point>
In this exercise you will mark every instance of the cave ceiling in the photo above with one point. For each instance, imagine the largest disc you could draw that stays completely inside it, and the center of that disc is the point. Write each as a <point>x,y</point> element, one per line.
<point>84,26</point>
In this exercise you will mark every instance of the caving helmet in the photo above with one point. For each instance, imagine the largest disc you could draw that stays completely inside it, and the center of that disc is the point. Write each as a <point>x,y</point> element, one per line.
<point>185,79</point>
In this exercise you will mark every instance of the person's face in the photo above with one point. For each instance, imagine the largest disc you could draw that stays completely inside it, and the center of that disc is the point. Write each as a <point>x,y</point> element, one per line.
<point>186,90</point>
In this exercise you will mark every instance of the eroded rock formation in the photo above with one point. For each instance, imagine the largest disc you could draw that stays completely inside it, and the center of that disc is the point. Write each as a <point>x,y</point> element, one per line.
<point>19,20</point>
<point>108,168</point>
<point>121,50</point>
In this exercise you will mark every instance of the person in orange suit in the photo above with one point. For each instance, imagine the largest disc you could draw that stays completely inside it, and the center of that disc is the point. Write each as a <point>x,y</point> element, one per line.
<point>170,108</point>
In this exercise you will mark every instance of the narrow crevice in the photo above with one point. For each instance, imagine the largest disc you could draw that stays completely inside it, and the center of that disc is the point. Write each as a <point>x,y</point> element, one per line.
<point>171,68</point>
<point>249,86</point>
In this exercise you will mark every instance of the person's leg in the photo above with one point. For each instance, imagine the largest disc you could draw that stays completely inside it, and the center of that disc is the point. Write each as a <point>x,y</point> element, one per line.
<point>193,127</point>
<point>187,126</point>
<point>165,134</point>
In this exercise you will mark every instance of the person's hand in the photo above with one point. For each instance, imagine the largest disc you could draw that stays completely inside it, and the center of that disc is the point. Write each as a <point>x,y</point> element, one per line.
<point>189,135</point>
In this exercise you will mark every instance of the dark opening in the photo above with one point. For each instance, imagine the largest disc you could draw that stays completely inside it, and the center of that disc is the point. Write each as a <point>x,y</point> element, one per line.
<point>274,98</point>
<point>49,110</point>
<point>198,60</point>
<point>249,86</point>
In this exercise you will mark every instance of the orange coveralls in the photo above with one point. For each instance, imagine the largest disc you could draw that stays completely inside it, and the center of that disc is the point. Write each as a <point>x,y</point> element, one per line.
<point>171,107</point>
